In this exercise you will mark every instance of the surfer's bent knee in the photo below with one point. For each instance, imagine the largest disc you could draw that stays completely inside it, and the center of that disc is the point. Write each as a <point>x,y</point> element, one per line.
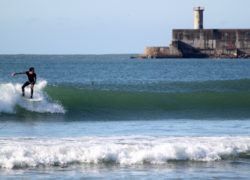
<point>32,85</point>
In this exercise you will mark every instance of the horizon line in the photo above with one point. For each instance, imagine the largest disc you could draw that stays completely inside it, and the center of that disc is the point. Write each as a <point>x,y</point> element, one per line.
<point>69,54</point>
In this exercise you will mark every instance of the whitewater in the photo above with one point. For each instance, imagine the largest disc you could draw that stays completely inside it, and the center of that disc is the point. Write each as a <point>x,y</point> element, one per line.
<point>125,150</point>
<point>10,97</point>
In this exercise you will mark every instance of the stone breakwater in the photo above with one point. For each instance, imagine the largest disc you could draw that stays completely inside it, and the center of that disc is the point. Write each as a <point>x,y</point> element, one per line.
<point>204,43</point>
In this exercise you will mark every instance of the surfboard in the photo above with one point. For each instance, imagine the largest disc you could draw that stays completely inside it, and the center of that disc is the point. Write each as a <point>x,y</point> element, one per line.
<point>33,99</point>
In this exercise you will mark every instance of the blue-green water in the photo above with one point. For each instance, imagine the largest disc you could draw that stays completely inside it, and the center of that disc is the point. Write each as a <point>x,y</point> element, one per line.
<point>111,117</point>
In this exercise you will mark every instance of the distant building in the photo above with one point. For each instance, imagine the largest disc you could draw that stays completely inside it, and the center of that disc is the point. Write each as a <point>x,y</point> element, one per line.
<point>203,43</point>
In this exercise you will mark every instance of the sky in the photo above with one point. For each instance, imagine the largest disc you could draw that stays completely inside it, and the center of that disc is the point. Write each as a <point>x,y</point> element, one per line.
<point>106,26</point>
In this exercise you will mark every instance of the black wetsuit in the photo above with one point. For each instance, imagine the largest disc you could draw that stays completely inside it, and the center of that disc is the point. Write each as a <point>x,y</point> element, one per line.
<point>31,80</point>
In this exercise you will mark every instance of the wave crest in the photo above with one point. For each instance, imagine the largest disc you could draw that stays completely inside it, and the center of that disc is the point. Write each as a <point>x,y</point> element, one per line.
<point>10,98</point>
<point>125,150</point>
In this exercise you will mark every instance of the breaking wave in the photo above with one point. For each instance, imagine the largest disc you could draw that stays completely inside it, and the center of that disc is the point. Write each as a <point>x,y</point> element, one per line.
<point>228,99</point>
<point>10,98</point>
<point>124,150</point>
<point>126,104</point>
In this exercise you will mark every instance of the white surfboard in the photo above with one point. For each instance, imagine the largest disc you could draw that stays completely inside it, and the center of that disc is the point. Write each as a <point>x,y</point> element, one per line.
<point>33,99</point>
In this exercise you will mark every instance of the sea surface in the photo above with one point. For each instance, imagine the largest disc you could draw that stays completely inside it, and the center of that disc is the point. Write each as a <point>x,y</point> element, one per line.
<point>112,117</point>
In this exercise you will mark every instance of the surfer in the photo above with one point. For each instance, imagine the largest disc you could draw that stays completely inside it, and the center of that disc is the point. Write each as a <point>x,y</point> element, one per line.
<point>31,80</point>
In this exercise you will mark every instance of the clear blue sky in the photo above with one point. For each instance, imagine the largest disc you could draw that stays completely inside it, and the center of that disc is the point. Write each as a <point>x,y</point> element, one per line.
<point>106,26</point>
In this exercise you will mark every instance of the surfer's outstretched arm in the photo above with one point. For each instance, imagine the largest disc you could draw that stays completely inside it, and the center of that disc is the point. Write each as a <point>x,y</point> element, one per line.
<point>13,74</point>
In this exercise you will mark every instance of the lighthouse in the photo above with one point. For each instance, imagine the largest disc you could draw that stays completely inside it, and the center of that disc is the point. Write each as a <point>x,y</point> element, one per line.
<point>198,17</point>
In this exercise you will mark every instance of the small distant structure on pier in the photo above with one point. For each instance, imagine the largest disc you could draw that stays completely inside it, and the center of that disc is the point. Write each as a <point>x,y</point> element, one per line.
<point>203,43</point>
<point>198,17</point>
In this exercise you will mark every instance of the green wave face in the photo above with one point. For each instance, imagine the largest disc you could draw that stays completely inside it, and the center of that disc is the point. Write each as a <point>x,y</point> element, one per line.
<point>122,104</point>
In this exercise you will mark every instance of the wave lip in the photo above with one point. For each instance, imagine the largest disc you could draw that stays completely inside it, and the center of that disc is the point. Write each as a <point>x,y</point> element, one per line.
<point>10,98</point>
<point>125,150</point>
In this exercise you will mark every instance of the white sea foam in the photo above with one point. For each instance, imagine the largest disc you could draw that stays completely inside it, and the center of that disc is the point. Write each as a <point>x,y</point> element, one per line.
<point>10,97</point>
<point>126,150</point>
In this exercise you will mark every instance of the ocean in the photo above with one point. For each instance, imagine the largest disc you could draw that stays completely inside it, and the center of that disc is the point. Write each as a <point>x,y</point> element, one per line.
<point>112,117</point>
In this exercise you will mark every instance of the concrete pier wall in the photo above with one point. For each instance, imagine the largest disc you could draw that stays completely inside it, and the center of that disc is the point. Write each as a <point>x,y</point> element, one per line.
<point>200,43</point>
<point>161,52</point>
<point>214,38</point>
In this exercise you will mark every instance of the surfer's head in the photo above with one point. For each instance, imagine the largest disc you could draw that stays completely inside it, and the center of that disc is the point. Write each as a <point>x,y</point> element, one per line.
<point>32,69</point>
